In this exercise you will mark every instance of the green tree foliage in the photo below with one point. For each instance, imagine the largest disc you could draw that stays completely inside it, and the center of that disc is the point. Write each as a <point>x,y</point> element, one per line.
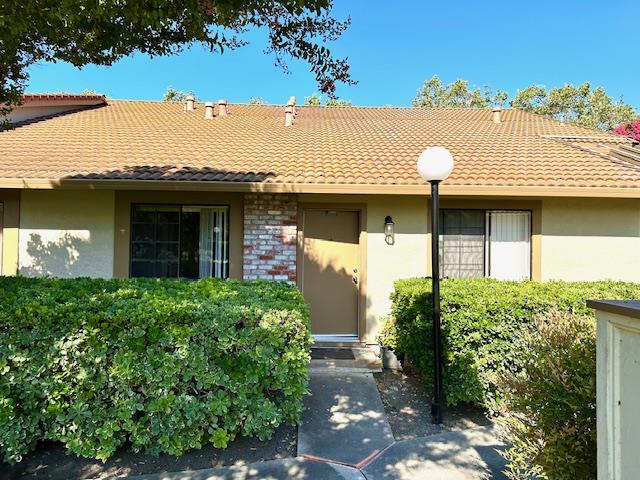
<point>173,95</point>
<point>158,365</point>
<point>583,105</point>
<point>338,102</point>
<point>101,33</point>
<point>316,100</point>
<point>550,423</point>
<point>434,94</point>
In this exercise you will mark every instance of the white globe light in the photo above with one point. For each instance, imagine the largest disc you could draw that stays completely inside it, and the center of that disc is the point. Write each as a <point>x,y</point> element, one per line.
<point>435,164</point>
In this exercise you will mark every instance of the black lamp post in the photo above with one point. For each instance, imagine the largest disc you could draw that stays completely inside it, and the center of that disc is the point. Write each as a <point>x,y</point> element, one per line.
<point>435,164</point>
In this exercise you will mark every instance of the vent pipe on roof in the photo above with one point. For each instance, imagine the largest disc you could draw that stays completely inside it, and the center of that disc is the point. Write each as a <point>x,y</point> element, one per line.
<point>208,110</point>
<point>190,103</point>
<point>222,108</point>
<point>290,112</point>
<point>496,114</point>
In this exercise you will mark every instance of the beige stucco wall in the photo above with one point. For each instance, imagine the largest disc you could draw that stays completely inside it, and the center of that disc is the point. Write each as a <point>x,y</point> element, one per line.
<point>66,233</point>
<point>591,239</point>
<point>25,112</point>
<point>407,257</point>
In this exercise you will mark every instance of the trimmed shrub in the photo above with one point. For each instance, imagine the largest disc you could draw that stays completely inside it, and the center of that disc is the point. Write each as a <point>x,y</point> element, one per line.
<point>164,365</point>
<point>550,422</point>
<point>481,319</point>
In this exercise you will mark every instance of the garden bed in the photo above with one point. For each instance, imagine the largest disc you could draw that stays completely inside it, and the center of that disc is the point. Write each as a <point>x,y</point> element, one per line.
<point>408,407</point>
<point>50,461</point>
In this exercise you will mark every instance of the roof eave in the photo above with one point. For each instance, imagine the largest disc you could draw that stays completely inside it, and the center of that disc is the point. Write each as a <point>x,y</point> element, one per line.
<point>344,188</point>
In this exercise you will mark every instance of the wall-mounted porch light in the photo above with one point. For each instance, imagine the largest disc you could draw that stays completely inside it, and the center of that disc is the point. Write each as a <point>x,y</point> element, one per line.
<point>389,230</point>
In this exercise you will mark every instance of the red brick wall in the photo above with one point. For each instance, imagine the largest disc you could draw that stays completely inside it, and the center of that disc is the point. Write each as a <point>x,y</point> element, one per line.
<point>270,230</point>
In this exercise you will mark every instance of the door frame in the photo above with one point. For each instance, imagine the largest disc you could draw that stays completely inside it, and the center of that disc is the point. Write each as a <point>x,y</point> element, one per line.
<point>361,209</point>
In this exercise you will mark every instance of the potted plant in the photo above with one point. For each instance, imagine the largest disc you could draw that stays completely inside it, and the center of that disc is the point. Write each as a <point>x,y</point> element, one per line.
<point>387,340</point>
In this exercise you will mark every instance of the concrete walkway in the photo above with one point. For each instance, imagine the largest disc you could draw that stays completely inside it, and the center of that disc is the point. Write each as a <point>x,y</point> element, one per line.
<point>345,435</point>
<point>290,468</point>
<point>466,455</point>
<point>344,420</point>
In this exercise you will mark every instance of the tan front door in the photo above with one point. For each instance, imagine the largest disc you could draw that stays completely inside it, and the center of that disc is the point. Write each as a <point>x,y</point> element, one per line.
<point>331,270</point>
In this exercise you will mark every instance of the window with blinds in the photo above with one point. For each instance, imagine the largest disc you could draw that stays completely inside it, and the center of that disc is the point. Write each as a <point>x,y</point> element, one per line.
<point>492,243</point>
<point>462,238</point>
<point>185,241</point>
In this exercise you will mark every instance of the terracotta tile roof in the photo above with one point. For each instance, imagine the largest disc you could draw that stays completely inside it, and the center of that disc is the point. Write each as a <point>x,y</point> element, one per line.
<point>30,97</point>
<point>147,141</point>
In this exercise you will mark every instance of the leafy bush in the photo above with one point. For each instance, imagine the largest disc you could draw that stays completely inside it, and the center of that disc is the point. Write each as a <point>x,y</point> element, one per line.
<point>551,401</point>
<point>481,319</point>
<point>165,365</point>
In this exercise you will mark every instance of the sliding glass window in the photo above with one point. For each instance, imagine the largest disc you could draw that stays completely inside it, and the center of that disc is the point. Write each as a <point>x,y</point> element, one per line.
<point>485,243</point>
<point>188,241</point>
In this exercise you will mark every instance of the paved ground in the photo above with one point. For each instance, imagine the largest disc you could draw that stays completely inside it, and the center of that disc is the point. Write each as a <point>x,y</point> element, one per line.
<point>344,420</point>
<point>345,435</point>
<point>291,469</point>
<point>468,455</point>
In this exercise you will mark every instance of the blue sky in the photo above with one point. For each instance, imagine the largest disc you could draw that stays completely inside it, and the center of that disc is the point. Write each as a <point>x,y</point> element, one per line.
<point>393,46</point>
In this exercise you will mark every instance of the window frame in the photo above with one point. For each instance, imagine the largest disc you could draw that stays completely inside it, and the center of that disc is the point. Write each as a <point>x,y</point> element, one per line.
<point>180,207</point>
<point>487,233</point>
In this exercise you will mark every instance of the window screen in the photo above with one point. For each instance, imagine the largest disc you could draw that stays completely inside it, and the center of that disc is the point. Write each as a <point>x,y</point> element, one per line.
<point>462,234</point>
<point>179,241</point>
<point>495,243</point>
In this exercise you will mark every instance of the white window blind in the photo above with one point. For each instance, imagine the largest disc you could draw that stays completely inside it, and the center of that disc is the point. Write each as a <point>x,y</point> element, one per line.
<point>214,244</point>
<point>508,244</point>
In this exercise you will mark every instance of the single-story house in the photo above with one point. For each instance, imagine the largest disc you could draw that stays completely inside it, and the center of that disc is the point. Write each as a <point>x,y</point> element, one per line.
<point>111,188</point>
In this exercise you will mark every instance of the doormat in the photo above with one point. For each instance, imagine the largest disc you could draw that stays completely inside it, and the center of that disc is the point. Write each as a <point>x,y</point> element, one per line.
<point>332,354</point>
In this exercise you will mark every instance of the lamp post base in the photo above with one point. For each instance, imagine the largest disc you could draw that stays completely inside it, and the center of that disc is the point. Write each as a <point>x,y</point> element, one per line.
<point>436,413</point>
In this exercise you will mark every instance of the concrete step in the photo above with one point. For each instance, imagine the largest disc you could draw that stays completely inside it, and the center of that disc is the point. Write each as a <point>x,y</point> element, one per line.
<point>365,360</point>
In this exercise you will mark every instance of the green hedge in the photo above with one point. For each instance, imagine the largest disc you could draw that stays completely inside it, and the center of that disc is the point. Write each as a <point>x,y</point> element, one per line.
<point>550,417</point>
<point>165,365</point>
<point>481,319</point>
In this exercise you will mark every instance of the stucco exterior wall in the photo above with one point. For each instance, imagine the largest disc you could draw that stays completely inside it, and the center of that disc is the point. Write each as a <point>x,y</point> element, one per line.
<point>591,239</point>
<point>406,257</point>
<point>27,112</point>
<point>9,234</point>
<point>66,233</point>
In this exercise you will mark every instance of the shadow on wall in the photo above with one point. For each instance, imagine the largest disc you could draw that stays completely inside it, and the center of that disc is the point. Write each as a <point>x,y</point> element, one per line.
<point>59,258</point>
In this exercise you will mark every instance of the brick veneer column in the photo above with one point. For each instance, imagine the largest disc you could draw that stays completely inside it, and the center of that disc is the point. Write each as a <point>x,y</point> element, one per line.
<point>270,230</point>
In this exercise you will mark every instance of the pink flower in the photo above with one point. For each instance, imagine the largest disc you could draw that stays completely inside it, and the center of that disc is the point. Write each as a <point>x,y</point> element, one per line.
<point>630,129</point>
